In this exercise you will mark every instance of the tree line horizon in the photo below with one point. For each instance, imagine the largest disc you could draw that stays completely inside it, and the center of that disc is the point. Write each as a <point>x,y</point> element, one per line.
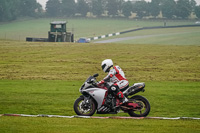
<point>170,9</point>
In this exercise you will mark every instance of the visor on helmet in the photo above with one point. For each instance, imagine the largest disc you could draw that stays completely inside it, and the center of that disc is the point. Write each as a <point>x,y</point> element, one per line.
<point>103,66</point>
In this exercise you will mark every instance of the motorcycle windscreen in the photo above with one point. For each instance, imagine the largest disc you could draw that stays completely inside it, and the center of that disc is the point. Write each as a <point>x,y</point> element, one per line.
<point>98,94</point>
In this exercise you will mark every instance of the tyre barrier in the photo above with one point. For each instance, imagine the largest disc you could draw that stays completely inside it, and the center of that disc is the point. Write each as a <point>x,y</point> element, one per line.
<point>143,28</point>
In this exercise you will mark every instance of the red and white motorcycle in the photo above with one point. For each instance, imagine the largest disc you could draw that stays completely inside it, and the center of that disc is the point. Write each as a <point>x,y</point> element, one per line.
<point>93,99</point>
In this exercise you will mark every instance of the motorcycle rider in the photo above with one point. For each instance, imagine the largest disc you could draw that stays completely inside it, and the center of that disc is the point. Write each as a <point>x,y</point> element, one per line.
<point>116,79</point>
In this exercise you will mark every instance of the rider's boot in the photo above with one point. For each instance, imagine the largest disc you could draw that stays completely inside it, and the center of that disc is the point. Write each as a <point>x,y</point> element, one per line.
<point>122,98</point>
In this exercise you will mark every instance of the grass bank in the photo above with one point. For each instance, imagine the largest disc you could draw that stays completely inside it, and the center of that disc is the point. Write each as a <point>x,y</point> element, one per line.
<point>67,61</point>
<point>44,78</point>
<point>55,125</point>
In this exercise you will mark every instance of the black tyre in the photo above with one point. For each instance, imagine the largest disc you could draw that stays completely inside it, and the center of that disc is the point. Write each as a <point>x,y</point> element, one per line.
<point>84,109</point>
<point>144,108</point>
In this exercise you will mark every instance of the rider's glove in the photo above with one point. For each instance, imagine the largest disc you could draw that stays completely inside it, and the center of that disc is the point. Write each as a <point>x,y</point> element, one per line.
<point>101,82</point>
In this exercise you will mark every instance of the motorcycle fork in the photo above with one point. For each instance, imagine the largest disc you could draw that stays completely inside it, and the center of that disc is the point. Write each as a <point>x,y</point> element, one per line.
<point>114,102</point>
<point>86,100</point>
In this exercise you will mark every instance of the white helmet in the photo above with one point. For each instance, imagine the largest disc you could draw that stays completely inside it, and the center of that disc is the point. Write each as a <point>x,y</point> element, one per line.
<point>106,65</point>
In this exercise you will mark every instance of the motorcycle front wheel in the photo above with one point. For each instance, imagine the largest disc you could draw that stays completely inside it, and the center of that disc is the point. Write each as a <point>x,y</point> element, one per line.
<point>84,109</point>
<point>143,109</point>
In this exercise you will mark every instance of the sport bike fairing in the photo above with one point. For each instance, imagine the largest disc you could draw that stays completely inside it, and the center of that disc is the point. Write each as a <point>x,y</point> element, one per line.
<point>98,94</point>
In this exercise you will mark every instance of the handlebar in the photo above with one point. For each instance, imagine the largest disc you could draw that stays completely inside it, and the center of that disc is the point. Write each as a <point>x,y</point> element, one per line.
<point>95,75</point>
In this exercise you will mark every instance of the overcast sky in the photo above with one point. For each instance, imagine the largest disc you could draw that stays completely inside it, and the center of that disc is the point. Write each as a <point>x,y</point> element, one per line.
<point>43,2</point>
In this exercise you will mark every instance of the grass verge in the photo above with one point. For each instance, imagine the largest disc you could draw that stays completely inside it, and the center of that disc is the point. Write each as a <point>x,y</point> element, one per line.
<point>44,78</point>
<point>55,125</point>
<point>167,99</point>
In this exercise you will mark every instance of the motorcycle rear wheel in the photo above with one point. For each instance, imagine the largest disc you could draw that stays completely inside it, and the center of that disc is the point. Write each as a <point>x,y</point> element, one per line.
<point>144,108</point>
<point>81,108</point>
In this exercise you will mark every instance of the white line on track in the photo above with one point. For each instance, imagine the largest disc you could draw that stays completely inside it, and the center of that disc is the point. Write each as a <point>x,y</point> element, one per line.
<point>97,117</point>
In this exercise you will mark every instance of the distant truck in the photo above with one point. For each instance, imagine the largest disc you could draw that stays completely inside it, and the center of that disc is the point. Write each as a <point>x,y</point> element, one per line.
<point>58,33</point>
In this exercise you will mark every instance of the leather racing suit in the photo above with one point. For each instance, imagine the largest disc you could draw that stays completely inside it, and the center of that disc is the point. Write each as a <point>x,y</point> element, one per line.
<point>117,81</point>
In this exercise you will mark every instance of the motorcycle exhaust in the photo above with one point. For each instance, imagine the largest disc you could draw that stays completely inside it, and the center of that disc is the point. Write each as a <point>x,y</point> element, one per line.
<point>137,87</point>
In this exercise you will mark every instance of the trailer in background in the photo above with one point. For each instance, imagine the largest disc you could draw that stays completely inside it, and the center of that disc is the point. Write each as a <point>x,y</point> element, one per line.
<point>58,33</point>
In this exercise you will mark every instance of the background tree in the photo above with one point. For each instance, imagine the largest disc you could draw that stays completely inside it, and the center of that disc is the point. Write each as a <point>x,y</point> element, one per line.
<point>155,7</point>
<point>39,10</point>
<point>141,8</point>
<point>193,3</point>
<point>1,10</point>
<point>53,8</point>
<point>68,8</point>
<point>82,7</point>
<point>12,9</point>
<point>9,10</point>
<point>120,5</point>
<point>97,7</point>
<point>112,7</point>
<point>127,8</point>
<point>183,8</point>
<point>28,7</point>
<point>168,8</point>
<point>197,11</point>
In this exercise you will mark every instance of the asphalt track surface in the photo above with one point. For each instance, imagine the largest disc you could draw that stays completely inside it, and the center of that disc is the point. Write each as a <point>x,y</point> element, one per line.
<point>140,37</point>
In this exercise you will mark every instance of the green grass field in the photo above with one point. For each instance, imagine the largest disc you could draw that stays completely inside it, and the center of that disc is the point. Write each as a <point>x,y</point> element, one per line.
<point>62,125</point>
<point>19,30</point>
<point>57,97</point>
<point>44,78</point>
<point>25,60</point>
